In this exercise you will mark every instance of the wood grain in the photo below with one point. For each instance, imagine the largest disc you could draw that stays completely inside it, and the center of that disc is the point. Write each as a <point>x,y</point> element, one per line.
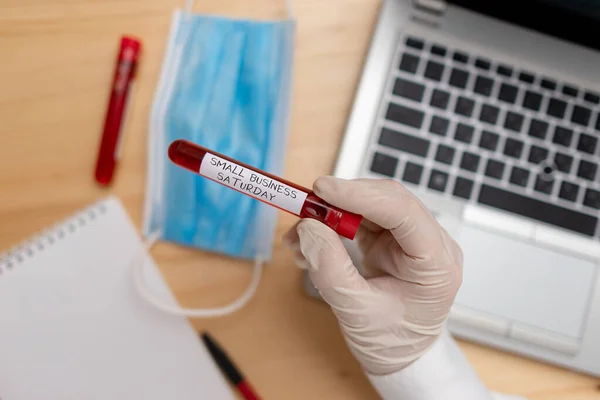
<point>56,63</point>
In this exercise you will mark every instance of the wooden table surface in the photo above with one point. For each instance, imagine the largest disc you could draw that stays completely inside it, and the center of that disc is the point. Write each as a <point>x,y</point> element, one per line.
<point>57,59</point>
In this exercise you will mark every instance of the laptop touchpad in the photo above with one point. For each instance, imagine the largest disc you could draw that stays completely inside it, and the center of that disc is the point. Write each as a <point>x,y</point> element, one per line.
<point>522,282</point>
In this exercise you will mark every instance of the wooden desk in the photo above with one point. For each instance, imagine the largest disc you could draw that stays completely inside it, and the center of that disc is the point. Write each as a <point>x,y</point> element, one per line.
<point>56,64</point>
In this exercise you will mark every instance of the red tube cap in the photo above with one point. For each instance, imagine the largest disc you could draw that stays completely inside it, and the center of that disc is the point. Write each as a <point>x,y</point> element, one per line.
<point>348,225</point>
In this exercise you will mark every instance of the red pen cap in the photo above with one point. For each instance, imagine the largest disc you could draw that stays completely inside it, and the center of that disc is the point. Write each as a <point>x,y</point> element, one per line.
<point>131,43</point>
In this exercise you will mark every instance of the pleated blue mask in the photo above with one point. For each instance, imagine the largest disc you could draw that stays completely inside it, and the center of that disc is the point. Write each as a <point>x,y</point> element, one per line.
<point>225,84</point>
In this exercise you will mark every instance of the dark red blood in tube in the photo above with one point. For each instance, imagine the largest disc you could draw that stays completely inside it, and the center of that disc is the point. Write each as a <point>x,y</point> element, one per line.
<point>190,156</point>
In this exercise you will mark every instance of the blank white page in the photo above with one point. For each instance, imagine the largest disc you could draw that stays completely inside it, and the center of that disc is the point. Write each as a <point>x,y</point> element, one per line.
<point>72,325</point>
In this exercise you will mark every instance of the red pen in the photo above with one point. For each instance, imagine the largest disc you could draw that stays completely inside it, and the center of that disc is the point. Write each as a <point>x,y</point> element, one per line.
<point>122,83</point>
<point>233,375</point>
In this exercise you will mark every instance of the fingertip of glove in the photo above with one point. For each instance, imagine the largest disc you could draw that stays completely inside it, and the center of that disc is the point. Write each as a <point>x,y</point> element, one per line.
<point>302,263</point>
<point>309,224</point>
<point>311,229</point>
<point>325,184</point>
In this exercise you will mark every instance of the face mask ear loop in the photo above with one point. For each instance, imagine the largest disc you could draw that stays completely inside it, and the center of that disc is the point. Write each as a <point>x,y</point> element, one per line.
<point>189,6</point>
<point>137,265</point>
<point>289,7</point>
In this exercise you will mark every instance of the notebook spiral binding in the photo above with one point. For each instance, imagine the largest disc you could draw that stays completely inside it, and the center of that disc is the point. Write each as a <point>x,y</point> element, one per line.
<point>48,237</point>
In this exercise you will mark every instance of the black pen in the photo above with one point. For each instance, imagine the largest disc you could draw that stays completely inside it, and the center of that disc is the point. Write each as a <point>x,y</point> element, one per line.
<point>228,368</point>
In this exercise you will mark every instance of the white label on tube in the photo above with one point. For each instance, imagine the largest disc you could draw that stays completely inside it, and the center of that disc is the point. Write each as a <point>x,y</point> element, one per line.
<point>252,183</point>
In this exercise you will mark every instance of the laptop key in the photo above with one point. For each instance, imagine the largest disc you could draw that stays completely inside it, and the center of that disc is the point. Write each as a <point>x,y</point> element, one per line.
<point>464,106</point>
<point>548,84</point>
<point>464,133</point>
<point>587,143</point>
<point>414,43</point>
<point>483,85</point>
<point>460,57</point>
<point>508,93</point>
<point>526,77</point>
<point>562,136</point>
<point>404,115</point>
<point>459,78</point>
<point>556,108</point>
<point>410,90</point>
<point>568,191</point>
<point>444,154</point>
<point>482,64</point>
<point>543,185</point>
<point>538,128</point>
<point>581,115</point>
<point>440,99</point>
<point>409,63</point>
<point>598,121</point>
<point>570,90</point>
<point>439,125</point>
<point>591,97</point>
<point>592,198</point>
<point>532,100</point>
<point>494,169</point>
<point>438,180</point>
<point>504,70</point>
<point>438,50</point>
<point>412,173</point>
<point>513,148</point>
<point>489,114</point>
<point>519,176</point>
<point>488,140</point>
<point>434,71</point>
<point>463,188</point>
<point>563,162</point>
<point>513,121</point>
<point>384,164</point>
<point>403,142</point>
<point>537,154</point>
<point>538,210</point>
<point>587,170</point>
<point>469,161</point>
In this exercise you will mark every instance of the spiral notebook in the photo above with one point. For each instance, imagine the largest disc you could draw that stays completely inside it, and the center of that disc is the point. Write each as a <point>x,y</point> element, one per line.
<point>72,325</point>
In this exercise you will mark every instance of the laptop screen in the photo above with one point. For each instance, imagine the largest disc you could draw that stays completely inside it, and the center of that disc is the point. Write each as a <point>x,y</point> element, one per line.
<point>576,21</point>
<point>590,8</point>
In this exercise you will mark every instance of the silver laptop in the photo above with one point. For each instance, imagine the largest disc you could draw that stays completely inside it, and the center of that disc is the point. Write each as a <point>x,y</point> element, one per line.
<point>489,112</point>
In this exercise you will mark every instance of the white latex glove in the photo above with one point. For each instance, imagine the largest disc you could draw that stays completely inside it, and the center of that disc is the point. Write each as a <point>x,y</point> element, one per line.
<point>412,270</point>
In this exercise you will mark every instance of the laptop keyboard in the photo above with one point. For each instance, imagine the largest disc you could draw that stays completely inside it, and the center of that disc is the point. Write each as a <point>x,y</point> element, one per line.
<point>486,132</point>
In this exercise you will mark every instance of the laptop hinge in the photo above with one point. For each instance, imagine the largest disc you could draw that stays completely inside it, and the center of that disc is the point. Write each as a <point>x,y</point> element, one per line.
<point>428,12</point>
<point>436,7</point>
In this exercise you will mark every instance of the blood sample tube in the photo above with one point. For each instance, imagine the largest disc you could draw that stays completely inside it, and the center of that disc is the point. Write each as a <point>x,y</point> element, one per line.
<point>263,186</point>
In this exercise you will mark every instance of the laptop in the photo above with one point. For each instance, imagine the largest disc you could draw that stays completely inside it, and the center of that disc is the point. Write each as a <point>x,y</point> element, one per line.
<point>489,112</point>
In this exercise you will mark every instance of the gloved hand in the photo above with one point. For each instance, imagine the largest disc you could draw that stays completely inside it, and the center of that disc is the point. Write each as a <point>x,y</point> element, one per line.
<point>412,270</point>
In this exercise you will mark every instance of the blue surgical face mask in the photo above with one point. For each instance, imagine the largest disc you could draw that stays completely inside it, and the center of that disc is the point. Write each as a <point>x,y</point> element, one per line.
<point>225,84</point>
